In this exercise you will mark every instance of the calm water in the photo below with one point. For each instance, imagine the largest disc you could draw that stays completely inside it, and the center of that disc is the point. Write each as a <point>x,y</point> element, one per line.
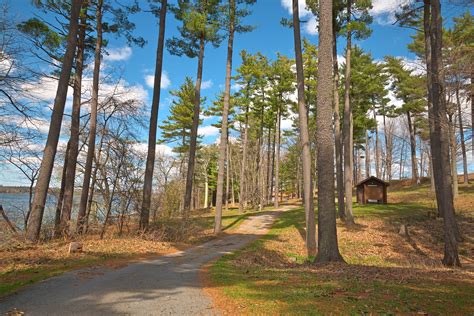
<point>15,206</point>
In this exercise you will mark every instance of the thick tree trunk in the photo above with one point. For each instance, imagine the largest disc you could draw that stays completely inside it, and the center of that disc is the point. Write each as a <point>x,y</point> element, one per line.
<point>388,150</point>
<point>93,122</point>
<point>348,126</point>
<point>277,160</point>
<point>269,175</point>
<point>463,141</point>
<point>337,134</point>
<point>225,117</point>
<point>304,137</point>
<point>414,162</point>
<point>439,139</point>
<point>328,249</point>
<point>47,163</point>
<point>194,131</point>
<point>155,105</point>
<point>75,126</point>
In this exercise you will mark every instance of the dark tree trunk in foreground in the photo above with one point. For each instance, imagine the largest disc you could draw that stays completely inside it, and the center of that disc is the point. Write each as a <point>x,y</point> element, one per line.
<point>194,132</point>
<point>438,136</point>
<point>75,126</point>
<point>304,137</point>
<point>337,134</point>
<point>328,249</point>
<point>93,123</point>
<point>150,159</point>
<point>47,163</point>
<point>347,127</point>
<point>224,126</point>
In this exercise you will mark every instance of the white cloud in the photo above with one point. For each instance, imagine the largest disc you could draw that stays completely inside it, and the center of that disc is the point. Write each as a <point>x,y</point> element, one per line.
<point>118,54</point>
<point>207,84</point>
<point>142,148</point>
<point>236,87</point>
<point>208,130</point>
<point>288,5</point>
<point>384,10</point>
<point>206,117</point>
<point>286,124</point>
<point>165,80</point>
<point>311,25</point>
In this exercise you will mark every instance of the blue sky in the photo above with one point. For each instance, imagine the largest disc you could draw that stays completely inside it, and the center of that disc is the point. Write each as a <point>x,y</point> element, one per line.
<point>269,37</point>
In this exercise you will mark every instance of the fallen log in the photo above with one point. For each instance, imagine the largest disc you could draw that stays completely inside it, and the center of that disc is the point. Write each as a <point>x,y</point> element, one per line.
<point>7,220</point>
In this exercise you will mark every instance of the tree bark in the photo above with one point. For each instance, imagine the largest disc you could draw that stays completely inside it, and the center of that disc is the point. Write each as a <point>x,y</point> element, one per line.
<point>453,154</point>
<point>367,155</point>
<point>277,159</point>
<point>242,184</point>
<point>337,134</point>
<point>75,126</point>
<point>47,163</point>
<point>155,105</point>
<point>93,122</point>
<point>328,250</point>
<point>308,201</point>
<point>194,131</point>
<point>59,204</point>
<point>378,171</point>
<point>348,126</point>
<point>463,141</point>
<point>414,163</point>
<point>225,118</point>
<point>439,139</point>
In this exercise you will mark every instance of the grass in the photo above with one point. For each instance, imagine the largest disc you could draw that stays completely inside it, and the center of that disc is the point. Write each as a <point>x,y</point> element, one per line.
<point>386,273</point>
<point>22,264</point>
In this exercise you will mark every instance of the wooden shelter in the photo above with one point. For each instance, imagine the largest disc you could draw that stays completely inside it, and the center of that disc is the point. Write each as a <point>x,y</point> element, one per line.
<point>372,190</point>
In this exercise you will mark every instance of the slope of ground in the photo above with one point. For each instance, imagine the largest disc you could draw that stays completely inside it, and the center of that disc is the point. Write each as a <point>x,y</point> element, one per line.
<point>386,272</point>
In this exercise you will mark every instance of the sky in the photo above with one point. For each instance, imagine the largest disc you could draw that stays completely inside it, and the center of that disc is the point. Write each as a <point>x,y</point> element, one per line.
<point>136,65</point>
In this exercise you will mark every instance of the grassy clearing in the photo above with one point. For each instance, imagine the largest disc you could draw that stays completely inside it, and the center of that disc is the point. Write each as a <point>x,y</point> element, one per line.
<point>386,273</point>
<point>22,264</point>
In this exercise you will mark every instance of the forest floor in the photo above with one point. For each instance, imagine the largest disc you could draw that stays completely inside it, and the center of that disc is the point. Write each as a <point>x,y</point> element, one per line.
<point>23,263</point>
<point>385,272</point>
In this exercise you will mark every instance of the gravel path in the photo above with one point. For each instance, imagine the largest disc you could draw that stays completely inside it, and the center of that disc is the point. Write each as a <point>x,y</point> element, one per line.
<point>168,285</point>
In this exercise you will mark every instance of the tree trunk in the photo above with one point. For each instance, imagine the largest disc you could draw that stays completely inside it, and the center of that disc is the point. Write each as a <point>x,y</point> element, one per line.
<point>59,204</point>
<point>155,105</point>
<point>227,174</point>
<point>367,155</point>
<point>337,132</point>
<point>453,154</point>
<point>194,131</point>
<point>243,166</point>
<point>93,122</point>
<point>347,127</point>
<point>439,139</point>
<point>328,250</point>
<point>75,126</point>
<point>225,118</point>
<point>463,141</point>
<point>277,159</point>
<point>47,163</point>
<point>308,201</point>
<point>414,163</point>
<point>377,148</point>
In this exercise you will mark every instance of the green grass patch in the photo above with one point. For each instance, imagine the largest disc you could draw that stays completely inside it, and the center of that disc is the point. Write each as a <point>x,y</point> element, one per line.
<point>300,288</point>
